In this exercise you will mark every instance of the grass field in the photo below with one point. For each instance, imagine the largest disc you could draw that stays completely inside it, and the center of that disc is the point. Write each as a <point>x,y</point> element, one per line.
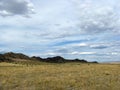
<point>67,76</point>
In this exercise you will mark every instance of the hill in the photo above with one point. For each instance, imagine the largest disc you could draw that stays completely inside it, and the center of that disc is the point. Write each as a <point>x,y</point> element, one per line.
<point>12,57</point>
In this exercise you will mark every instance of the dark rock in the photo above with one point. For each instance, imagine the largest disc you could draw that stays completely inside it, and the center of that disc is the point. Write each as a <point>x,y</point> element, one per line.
<point>4,59</point>
<point>36,58</point>
<point>57,59</point>
<point>77,60</point>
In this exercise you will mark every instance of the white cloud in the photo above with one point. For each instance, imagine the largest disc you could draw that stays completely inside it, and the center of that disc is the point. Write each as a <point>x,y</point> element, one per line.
<point>82,53</point>
<point>82,44</point>
<point>20,36</point>
<point>51,54</point>
<point>99,46</point>
<point>115,53</point>
<point>16,7</point>
<point>95,18</point>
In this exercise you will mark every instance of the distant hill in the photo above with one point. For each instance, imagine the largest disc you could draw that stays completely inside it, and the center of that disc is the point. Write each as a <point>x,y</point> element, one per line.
<point>12,57</point>
<point>4,59</point>
<point>58,59</point>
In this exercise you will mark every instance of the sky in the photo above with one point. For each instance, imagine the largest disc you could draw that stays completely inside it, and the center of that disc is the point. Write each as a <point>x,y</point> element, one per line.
<point>84,29</point>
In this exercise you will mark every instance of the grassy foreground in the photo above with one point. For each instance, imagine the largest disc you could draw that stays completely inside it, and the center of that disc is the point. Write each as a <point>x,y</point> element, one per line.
<point>68,76</point>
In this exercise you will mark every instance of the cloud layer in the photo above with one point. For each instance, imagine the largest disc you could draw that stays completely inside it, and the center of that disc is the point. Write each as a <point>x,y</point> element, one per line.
<point>97,17</point>
<point>16,7</point>
<point>88,29</point>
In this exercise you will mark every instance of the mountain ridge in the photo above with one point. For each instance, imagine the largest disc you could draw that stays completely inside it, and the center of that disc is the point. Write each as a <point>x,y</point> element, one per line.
<point>11,57</point>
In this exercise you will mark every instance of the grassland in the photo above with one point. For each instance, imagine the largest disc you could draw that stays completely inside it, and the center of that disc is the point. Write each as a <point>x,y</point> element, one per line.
<point>66,76</point>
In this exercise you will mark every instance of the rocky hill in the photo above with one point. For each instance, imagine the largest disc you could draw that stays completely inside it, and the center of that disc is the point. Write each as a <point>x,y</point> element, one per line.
<point>12,57</point>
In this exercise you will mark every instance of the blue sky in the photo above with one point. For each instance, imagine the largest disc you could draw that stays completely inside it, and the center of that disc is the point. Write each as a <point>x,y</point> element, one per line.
<point>85,29</point>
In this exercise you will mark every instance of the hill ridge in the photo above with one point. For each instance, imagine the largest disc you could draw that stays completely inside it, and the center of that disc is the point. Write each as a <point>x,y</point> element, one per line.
<point>11,56</point>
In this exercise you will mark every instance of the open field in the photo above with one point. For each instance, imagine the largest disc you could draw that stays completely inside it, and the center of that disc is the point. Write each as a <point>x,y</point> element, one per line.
<point>65,76</point>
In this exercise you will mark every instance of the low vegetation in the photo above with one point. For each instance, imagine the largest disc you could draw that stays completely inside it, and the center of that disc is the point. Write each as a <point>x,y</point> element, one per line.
<point>65,76</point>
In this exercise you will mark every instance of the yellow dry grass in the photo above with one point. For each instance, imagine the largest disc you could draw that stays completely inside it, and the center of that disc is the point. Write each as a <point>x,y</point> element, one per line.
<point>68,76</point>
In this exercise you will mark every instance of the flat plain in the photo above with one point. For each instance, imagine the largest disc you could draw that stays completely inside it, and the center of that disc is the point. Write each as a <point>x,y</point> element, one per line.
<point>65,76</point>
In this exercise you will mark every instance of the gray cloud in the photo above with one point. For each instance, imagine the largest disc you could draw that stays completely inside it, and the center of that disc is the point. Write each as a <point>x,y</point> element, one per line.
<point>16,7</point>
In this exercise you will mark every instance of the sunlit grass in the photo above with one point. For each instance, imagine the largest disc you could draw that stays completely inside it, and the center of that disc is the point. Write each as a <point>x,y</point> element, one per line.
<point>68,76</point>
